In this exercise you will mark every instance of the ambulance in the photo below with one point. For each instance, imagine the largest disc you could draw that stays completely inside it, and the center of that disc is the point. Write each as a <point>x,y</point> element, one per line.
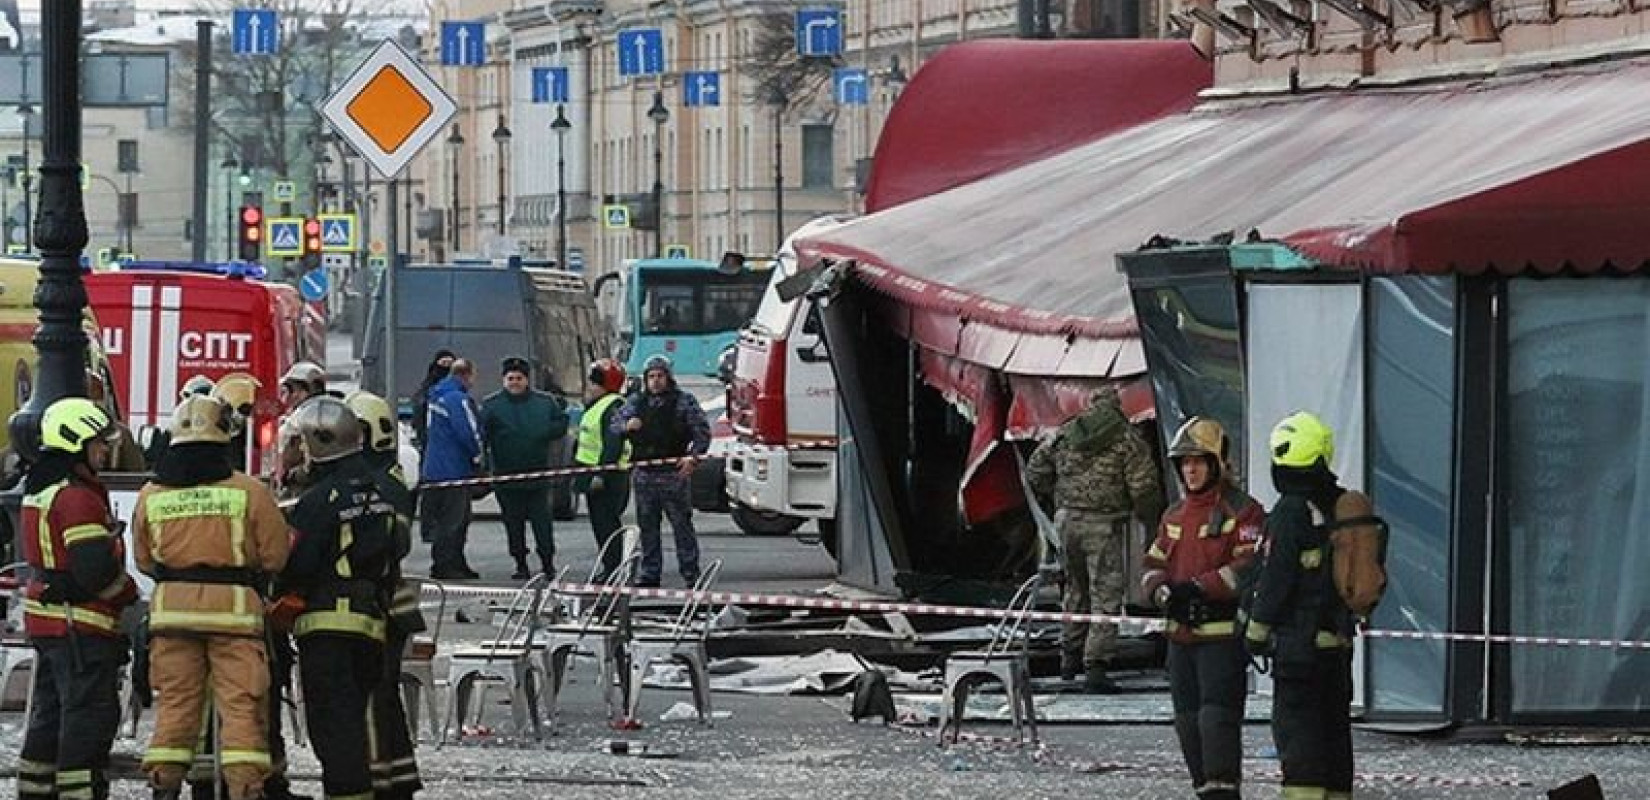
<point>161,327</point>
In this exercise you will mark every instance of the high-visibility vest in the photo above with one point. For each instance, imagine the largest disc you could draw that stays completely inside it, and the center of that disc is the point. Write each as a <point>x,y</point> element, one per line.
<point>590,433</point>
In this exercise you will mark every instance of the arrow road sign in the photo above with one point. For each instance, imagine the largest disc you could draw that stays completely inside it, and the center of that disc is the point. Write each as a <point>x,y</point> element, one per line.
<point>255,32</point>
<point>337,233</point>
<point>849,86</point>
<point>702,89</point>
<point>616,216</point>
<point>284,237</point>
<point>463,44</point>
<point>313,286</point>
<point>819,32</point>
<point>641,52</point>
<point>550,85</point>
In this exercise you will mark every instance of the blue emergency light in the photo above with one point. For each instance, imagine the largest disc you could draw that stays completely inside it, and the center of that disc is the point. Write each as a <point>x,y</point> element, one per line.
<point>233,269</point>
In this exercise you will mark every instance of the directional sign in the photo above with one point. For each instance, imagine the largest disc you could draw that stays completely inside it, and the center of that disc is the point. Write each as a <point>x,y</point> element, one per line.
<point>389,108</point>
<point>641,52</point>
<point>701,89</point>
<point>550,85</point>
<point>283,236</point>
<point>463,44</point>
<point>284,191</point>
<point>678,251</point>
<point>616,217</point>
<point>254,31</point>
<point>313,286</point>
<point>337,233</point>
<point>819,32</point>
<point>850,87</point>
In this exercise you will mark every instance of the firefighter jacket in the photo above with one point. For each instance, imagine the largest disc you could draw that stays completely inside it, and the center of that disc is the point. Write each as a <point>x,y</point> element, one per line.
<point>210,549</point>
<point>1294,595</point>
<point>350,533</point>
<point>77,560</point>
<point>1208,539</point>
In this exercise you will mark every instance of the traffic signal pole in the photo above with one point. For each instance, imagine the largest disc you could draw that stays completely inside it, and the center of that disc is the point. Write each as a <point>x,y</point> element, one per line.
<point>203,135</point>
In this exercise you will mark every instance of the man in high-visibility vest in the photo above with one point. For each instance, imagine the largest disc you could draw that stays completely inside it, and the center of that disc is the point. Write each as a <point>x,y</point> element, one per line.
<point>71,608</point>
<point>209,535</point>
<point>608,492</point>
<point>349,538</point>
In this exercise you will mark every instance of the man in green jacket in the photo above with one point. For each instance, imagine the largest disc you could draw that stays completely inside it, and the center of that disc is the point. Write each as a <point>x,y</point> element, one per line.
<point>521,426</point>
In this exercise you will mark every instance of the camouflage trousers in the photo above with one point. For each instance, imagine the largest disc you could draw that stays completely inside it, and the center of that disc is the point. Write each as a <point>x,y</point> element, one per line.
<point>1093,546</point>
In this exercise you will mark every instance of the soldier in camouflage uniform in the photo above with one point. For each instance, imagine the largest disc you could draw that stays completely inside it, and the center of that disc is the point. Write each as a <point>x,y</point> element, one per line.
<point>1097,471</point>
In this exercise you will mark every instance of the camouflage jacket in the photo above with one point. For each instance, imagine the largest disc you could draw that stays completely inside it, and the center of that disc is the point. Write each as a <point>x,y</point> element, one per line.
<point>1119,479</point>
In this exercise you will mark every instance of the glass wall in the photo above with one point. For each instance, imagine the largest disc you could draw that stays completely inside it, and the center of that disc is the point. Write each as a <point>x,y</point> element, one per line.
<point>1411,479</point>
<point>1578,490</point>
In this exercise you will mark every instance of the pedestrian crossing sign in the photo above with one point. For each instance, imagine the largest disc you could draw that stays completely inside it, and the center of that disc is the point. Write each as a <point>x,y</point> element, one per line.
<point>678,251</point>
<point>284,237</point>
<point>337,233</point>
<point>616,216</point>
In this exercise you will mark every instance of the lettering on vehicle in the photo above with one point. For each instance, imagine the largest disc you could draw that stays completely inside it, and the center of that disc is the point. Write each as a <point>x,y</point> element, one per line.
<point>114,341</point>
<point>196,349</point>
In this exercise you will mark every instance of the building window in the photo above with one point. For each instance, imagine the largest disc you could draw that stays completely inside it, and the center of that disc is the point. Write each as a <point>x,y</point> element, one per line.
<point>818,156</point>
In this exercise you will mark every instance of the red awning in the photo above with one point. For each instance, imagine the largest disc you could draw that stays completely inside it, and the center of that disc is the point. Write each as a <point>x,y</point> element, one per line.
<point>1541,170</point>
<point>978,108</point>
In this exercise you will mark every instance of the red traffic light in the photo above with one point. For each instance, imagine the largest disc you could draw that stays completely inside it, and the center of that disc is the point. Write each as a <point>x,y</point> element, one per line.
<point>251,215</point>
<point>312,236</point>
<point>312,227</point>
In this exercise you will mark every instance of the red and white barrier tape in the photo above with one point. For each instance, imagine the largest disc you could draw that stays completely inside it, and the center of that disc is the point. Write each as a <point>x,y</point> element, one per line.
<point>489,480</point>
<point>1128,625</point>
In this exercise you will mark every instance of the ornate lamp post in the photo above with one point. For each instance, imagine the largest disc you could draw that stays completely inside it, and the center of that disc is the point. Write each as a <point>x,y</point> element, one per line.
<point>561,126</point>
<point>660,115</point>
<point>501,138</point>
<point>455,142</point>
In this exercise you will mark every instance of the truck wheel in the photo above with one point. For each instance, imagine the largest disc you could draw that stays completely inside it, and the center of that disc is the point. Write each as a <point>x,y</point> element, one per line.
<point>827,536</point>
<point>764,523</point>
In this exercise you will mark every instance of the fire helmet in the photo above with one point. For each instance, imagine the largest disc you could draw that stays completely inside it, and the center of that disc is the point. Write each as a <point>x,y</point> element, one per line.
<point>326,429</point>
<point>377,420</point>
<point>1302,440</point>
<point>201,419</point>
<point>607,373</point>
<point>71,422</point>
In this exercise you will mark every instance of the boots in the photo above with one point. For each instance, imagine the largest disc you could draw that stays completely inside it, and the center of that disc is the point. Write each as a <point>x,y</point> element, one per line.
<point>548,565</point>
<point>1095,680</point>
<point>1070,667</point>
<point>521,572</point>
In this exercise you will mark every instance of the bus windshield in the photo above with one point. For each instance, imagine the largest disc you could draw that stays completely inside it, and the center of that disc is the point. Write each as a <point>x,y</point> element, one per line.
<point>688,303</point>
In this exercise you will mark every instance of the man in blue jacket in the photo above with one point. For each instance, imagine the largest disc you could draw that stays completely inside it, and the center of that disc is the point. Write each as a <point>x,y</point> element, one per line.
<point>452,452</point>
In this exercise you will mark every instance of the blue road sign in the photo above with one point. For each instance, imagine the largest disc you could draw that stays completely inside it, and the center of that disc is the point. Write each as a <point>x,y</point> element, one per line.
<point>550,85</point>
<point>819,32</point>
<point>463,44</point>
<point>313,286</point>
<point>337,233</point>
<point>850,86</point>
<point>255,32</point>
<point>701,89</point>
<point>641,52</point>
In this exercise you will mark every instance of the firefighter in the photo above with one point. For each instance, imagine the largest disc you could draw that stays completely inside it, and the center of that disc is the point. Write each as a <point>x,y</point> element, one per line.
<point>1298,619</point>
<point>71,609</point>
<point>239,392</point>
<point>1201,556</point>
<point>607,493</point>
<point>394,763</point>
<point>349,537</point>
<point>209,535</point>
<point>302,381</point>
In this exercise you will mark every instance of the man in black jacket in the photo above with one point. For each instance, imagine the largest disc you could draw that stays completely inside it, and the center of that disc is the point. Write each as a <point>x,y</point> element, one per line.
<point>663,422</point>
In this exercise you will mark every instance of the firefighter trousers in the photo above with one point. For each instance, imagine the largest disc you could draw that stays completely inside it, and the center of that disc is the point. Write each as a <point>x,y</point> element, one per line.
<point>1311,722</point>
<point>236,671</point>
<point>1208,682</point>
<point>394,765</point>
<point>72,724</point>
<point>1093,544</point>
<point>340,673</point>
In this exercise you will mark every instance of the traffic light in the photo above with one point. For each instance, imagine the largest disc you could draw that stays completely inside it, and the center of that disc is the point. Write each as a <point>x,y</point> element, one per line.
<point>252,233</point>
<point>312,243</point>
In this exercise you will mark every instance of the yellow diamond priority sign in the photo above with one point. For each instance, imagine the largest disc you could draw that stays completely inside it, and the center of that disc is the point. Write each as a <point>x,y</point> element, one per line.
<point>389,108</point>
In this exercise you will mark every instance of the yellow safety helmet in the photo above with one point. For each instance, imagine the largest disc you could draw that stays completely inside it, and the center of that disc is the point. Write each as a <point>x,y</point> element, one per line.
<point>377,419</point>
<point>71,422</point>
<point>200,419</point>
<point>239,391</point>
<point>1200,436</point>
<point>1300,440</point>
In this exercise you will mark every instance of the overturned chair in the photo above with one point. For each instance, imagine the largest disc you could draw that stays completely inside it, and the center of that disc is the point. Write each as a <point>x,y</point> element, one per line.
<point>683,642</point>
<point>1005,660</point>
<point>510,659</point>
<point>594,632</point>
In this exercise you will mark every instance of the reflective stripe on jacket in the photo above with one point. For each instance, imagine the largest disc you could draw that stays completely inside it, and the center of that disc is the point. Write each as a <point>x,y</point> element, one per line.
<point>67,528</point>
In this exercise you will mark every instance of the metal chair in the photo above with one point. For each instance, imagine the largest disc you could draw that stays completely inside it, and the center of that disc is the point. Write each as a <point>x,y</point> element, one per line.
<point>507,659</point>
<point>418,665</point>
<point>683,642</point>
<point>1004,660</point>
<point>594,633</point>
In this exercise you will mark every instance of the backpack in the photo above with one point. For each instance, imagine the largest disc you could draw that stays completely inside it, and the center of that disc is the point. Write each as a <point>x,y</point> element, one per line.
<point>1357,540</point>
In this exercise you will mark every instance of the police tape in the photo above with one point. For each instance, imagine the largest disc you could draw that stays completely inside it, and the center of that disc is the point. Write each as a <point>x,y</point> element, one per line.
<point>559,472</point>
<point>1127,625</point>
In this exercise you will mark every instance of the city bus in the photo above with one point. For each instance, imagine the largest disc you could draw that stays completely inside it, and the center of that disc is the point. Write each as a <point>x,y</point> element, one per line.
<point>687,309</point>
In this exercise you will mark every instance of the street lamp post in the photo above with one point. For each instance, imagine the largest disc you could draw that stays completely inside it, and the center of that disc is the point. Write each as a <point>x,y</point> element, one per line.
<point>561,126</point>
<point>779,101</point>
<point>229,165</point>
<point>501,138</point>
<point>660,115</point>
<point>26,112</point>
<point>455,142</point>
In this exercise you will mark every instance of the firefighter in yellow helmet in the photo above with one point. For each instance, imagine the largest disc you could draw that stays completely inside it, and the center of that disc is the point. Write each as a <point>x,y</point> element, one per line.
<point>71,609</point>
<point>1298,619</point>
<point>1202,553</point>
<point>350,534</point>
<point>210,536</point>
<point>394,761</point>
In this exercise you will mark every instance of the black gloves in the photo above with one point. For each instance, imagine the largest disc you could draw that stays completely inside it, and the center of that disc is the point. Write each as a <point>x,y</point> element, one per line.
<point>1185,604</point>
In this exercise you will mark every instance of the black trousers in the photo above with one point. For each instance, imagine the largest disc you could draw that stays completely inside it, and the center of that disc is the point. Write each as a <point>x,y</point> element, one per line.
<point>73,722</point>
<point>607,516</point>
<point>523,507</point>
<point>340,673</point>
<point>394,764</point>
<point>1208,682</point>
<point>445,514</point>
<point>1311,720</point>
